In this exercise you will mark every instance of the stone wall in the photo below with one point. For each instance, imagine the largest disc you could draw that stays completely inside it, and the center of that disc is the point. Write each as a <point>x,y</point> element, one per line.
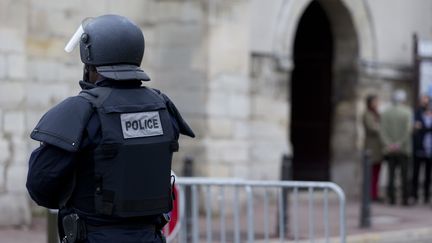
<point>228,103</point>
<point>35,73</point>
<point>14,206</point>
<point>270,117</point>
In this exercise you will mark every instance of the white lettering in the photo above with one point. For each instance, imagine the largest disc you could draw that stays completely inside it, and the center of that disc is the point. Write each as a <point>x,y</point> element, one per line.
<point>142,124</point>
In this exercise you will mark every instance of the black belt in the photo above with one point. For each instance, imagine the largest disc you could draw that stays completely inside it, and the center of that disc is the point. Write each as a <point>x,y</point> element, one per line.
<point>150,227</point>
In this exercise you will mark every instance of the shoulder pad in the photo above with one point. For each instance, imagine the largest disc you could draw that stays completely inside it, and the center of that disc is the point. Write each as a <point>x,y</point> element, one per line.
<point>63,125</point>
<point>184,128</point>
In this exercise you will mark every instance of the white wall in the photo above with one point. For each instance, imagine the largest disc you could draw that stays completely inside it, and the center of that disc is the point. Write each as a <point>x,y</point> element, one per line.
<point>395,22</point>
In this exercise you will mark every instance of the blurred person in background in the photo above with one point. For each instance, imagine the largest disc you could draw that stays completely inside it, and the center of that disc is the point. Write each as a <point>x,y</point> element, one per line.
<point>372,143</point>
<point>105,154</point>
<point>396,131</point>
<point>422,154</point>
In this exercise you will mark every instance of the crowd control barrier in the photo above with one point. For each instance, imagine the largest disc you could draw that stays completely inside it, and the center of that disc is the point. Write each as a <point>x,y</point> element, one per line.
<point>234,210</point>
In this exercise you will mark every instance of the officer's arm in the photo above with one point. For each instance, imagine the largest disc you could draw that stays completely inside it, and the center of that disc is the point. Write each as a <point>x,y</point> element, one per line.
<point>50,173</point>
<point>60,130</point>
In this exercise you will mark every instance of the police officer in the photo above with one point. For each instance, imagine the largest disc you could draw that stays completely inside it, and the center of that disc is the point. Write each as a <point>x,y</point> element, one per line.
<point>105,155</point>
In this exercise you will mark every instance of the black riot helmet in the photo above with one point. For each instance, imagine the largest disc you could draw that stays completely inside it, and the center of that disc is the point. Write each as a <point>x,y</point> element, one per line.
<point>113,44</point>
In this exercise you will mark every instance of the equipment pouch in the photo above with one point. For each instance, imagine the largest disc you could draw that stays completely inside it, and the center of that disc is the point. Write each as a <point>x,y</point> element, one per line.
<point>74,229</point>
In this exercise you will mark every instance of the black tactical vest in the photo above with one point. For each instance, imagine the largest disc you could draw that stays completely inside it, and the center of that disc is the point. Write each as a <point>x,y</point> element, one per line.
<point>133,159</point>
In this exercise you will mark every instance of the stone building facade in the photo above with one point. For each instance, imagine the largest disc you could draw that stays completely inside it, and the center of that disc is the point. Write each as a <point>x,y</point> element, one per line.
<point>235,70</point>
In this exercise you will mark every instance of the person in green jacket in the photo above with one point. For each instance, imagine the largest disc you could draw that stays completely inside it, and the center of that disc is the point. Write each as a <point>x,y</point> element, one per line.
<point>372,141</point>
<point>396,131</point>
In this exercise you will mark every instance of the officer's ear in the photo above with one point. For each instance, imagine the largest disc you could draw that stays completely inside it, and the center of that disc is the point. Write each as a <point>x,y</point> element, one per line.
<point>88,73</point>
<point>93,75</point>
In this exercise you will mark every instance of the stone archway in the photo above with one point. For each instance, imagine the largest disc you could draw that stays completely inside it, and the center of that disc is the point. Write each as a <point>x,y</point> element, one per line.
<point>311,92</point>
<point>353,41</point>
<point>357,12</point>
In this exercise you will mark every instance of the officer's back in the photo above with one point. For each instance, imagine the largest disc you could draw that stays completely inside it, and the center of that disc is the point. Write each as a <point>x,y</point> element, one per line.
<point>105,154</point>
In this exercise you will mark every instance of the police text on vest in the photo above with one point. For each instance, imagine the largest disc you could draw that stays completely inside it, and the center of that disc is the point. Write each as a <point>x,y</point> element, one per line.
<point>141,124</point>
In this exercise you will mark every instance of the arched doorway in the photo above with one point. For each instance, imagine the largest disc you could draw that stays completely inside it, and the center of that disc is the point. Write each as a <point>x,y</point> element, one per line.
<point>311,95</point>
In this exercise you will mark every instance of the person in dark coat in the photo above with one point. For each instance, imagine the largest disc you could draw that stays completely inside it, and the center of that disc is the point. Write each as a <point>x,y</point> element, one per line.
<point>422,148</point>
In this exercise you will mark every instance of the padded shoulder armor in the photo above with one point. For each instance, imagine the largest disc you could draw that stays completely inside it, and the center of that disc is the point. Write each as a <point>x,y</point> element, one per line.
<point>183,126</point>
<point>63,125</point>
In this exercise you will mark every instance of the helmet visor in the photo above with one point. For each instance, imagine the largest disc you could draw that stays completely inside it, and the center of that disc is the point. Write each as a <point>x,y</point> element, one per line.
<point>75,39</point>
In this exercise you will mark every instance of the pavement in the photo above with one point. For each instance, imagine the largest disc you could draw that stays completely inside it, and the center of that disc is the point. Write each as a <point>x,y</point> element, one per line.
<point>390,224</point>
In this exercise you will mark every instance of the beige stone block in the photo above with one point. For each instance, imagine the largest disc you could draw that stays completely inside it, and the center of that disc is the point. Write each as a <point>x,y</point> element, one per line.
<point>14,209</point>
<point>16,66</point>
<point>231,82</point>
<point>57,23</point>
<point>12,40</point>
<point>347,174</point>
<point>50,47</point>
<point>237,62</point>
<point>267,129</point>
<point>241,129</point>
<point>20,151</point>
<point>16,176</point>
<point>38,95</point>
<point>191,81</point>
<point>14,123</point>
<point>5,151</point>
<point>1,122</point>
<point>2,178</point>
<point>220,128</point>
<point>269,108</point>
<point>11,94</point>
<point>179,35</point>
<point>54,5</point>
<point>268,150</point>
<point>13,14</point>
<point>228,54</point>
<point>217,105</point>
<point>180,11</point>
<point>264,170</point>
<point>227,151</point>
<point>71,73</point>
<point>44,70</point>
<point>50,22</point>
<point>3,66</point>
<point>240,170</point>
<point>137,10</point>
<point>219,170</point>
<point>239,106</point>
<point>189,103</point>
<point>173,57</point>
